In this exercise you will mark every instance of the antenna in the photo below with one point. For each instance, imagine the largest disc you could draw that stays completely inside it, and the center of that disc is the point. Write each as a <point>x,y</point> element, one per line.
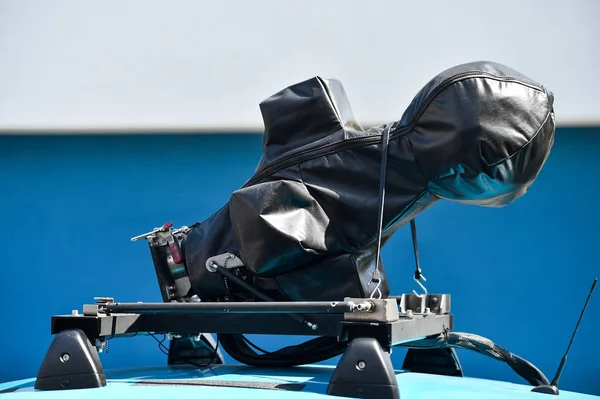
<point>552,389</point>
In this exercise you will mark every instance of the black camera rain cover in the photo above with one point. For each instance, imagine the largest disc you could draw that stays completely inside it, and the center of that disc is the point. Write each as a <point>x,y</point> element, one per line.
<point>305,224</point>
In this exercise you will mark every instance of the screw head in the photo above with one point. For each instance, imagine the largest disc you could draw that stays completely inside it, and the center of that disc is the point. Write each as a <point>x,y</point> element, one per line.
<point>65,357</point>
<point>212,267</point>
<point>361,365</point>
<point>65,382</point>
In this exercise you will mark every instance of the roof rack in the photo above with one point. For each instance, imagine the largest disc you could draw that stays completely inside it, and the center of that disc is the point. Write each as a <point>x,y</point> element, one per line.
<point>370,326</point>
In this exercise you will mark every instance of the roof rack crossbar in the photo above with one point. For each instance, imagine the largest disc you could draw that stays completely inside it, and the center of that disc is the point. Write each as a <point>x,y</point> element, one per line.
<point>237,307</point>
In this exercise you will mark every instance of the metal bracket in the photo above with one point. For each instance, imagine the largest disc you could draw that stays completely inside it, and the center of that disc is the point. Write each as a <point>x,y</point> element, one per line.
<point>165,228</point>
<point>226,260</point>
<point>372,310</point>
<point>94,310</point>
<point>91,310</point>
<point>416,304</point>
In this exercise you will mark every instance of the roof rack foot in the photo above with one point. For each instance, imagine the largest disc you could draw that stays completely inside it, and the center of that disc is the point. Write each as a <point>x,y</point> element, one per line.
<point>440,361</point>
<point>364,371</point>
<point>70,363</point>
<point>201,350</point>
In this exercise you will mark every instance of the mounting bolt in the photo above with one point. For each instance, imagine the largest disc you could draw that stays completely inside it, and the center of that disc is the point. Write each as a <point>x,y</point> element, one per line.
<point>361,365</point>
<point>65,357</point>
<point>212,267</point>
<point>365,306</point>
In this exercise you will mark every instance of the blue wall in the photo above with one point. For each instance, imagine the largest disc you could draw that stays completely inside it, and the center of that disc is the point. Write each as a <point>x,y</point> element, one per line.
<point>518,275</point>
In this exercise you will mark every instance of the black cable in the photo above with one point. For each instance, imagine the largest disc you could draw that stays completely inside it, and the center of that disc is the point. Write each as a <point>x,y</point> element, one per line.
<point>482,345</point>
<point>212,358</point>
<point>245,351</point>
<point>313,351</point>
<point>161,346</point>
<point>253,345</point>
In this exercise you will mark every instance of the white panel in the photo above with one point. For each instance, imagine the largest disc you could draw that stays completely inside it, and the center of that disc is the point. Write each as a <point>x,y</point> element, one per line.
<point>191,64</point>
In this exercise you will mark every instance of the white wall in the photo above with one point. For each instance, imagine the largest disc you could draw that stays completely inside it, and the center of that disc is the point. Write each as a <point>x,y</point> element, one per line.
<point>185,64</point>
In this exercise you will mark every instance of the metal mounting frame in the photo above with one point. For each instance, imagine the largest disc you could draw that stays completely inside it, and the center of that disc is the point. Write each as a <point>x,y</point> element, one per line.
<point>364,323</point>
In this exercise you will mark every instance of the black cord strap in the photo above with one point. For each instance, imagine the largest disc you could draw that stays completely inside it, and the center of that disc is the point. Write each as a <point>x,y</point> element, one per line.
<point>385,139</point>
<point>413,230</point>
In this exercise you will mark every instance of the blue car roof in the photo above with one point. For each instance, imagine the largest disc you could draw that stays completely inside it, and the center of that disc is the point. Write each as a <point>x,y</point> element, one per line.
<point>236,381</point>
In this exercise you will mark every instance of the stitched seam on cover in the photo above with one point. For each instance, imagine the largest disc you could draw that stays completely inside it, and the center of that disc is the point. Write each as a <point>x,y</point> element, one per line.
<point>437,179</point>
<point>524,145</point>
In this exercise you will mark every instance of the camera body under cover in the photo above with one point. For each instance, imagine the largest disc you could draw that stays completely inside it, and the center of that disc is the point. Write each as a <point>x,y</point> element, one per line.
<point>304,226</point>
